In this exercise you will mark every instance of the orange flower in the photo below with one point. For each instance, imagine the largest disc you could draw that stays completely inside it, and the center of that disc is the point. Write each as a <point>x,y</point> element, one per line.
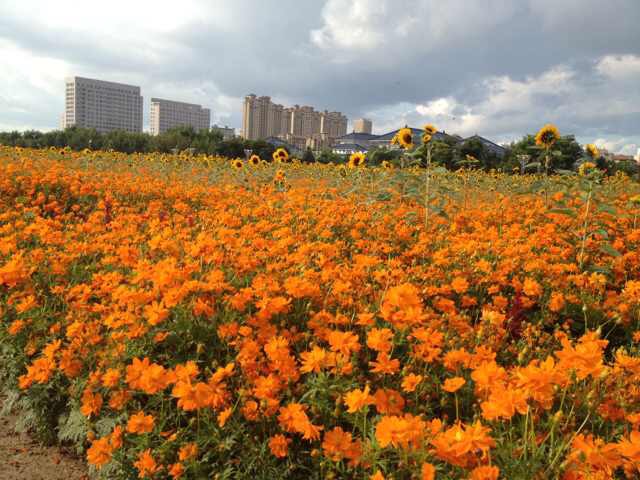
<point>380,339</point>
<point>404,432</point>
<point>388,401</point>
<point>358,399</point>
<point>188,451</point>
<point>91,403</point>
<point>428,472</point>
<point>410,382</point>
<point>223,416</point>
<point>485,473</point>
<point>454,384</point>
<point>337,444</point>
<point>294,419</point>
<point>100,452</point>
<point>279,445</point>
<point>140,423</point>
<point>176,470</point>
<point>146,464</point>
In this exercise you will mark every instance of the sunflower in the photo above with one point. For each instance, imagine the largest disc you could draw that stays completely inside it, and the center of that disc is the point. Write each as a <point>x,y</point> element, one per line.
<point>279,177</point>
<point>237,164</point>
<point>586,168</point>
<point>386,164</point>
<point>547,136</point>
<point>405,138</point>
<point>430,129</point>
<point>426,138</point>
<point>254,160</point>
<point>281,155</point>
<point>592,150</point>
<point>357,159</point>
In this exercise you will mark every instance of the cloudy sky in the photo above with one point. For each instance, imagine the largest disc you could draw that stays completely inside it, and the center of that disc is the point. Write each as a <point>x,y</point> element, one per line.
<point>500,68</point>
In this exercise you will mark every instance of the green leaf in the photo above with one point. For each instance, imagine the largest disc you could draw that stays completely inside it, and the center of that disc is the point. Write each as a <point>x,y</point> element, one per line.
<point>609,250</point>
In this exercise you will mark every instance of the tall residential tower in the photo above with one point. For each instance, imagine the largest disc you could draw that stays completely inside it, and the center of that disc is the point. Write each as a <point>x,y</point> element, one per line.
<point>105,106</point>
<point>299,125</point>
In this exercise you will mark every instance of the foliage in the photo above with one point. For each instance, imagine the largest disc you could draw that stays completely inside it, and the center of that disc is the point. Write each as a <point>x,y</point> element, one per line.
<point>177,317</point>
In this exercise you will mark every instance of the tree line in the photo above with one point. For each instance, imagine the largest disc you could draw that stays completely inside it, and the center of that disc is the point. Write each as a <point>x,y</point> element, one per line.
<point>519,157</point>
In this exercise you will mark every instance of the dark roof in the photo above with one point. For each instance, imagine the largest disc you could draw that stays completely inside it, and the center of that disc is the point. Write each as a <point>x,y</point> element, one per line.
<point>354,137</point>
<point>494,147</point>
<point>350,146</point>
<point>388,136</point>
<point>417,136</point>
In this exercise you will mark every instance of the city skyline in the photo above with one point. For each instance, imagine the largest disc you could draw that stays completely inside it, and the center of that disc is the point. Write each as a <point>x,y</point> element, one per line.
<point>503,69</point>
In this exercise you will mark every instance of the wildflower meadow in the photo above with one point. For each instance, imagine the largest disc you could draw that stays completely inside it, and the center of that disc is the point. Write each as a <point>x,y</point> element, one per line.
<point>175,316</point>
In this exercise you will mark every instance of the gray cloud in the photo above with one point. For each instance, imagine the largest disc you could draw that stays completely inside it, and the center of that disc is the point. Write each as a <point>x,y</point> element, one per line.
<point>499,67</point>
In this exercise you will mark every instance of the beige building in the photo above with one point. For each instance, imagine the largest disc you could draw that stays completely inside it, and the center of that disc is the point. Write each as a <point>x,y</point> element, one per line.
<point>226,132</point>
<point>261,118</point>
<point>362,125</point>
<point>105,106</point>
<point>168,114</point>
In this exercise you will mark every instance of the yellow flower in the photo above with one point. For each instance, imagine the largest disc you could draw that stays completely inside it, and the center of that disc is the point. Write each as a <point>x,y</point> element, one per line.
<point>237,164</point>
<point>386,164</point>
<point>281,155</point>
<point>430,129</point>
<point>405,138</point>
<point>426,138</point>
<point>547,136</point>
<point>586,168</point>
<point>357,159</point>
<point>254,160</point>
<point>592,150</point>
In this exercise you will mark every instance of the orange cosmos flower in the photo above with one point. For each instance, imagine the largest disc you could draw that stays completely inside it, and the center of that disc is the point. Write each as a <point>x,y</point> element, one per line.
<point>140,423</point>
<point>187,452</point>
<point>358,399</point>
<point>146,464</point>
<point>410,382</point>
<point>427,472</point>
<point>100,452</point>
<point>485,473</point>
<point>279,445</point>
<point>454,384</point>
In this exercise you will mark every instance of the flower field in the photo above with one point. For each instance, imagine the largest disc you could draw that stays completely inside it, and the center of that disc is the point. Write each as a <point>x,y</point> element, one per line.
<point>189,318</point>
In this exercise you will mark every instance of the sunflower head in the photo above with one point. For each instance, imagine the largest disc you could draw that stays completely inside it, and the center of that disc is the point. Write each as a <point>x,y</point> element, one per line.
<point>547,136</point>
<point>426,138</point>
<point>430,129</point>
<point>405,138</point>
<point>592,150</point>
<point>237,164</point>
<point>586,168</point>
<point>254,160</point>
<point>281,155</point>
<point>357,159</point>
<point>279,176</point>
<point>386,164</point>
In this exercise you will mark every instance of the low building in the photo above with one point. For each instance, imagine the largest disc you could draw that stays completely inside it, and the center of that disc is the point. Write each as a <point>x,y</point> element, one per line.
<point>226,132</point>
<point>348,148</point>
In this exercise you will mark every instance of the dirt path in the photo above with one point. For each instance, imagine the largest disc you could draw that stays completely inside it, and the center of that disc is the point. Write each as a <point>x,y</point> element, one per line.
<point>21,458</point>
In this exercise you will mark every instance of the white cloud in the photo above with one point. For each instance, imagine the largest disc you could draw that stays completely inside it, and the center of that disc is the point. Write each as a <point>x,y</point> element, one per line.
<point>507,107</point>
<point>619,67</point>
<point>388,29</point>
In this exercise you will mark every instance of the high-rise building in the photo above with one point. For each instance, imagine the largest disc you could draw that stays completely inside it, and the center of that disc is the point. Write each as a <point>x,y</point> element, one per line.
<point>105,106</point>
<point>362,125</point>
<point>261,118</point>
<point>168,114</point>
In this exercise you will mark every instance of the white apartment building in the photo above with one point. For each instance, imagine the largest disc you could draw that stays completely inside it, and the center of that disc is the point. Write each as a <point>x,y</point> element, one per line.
<point>168,114</point>
<point>105,106</point>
